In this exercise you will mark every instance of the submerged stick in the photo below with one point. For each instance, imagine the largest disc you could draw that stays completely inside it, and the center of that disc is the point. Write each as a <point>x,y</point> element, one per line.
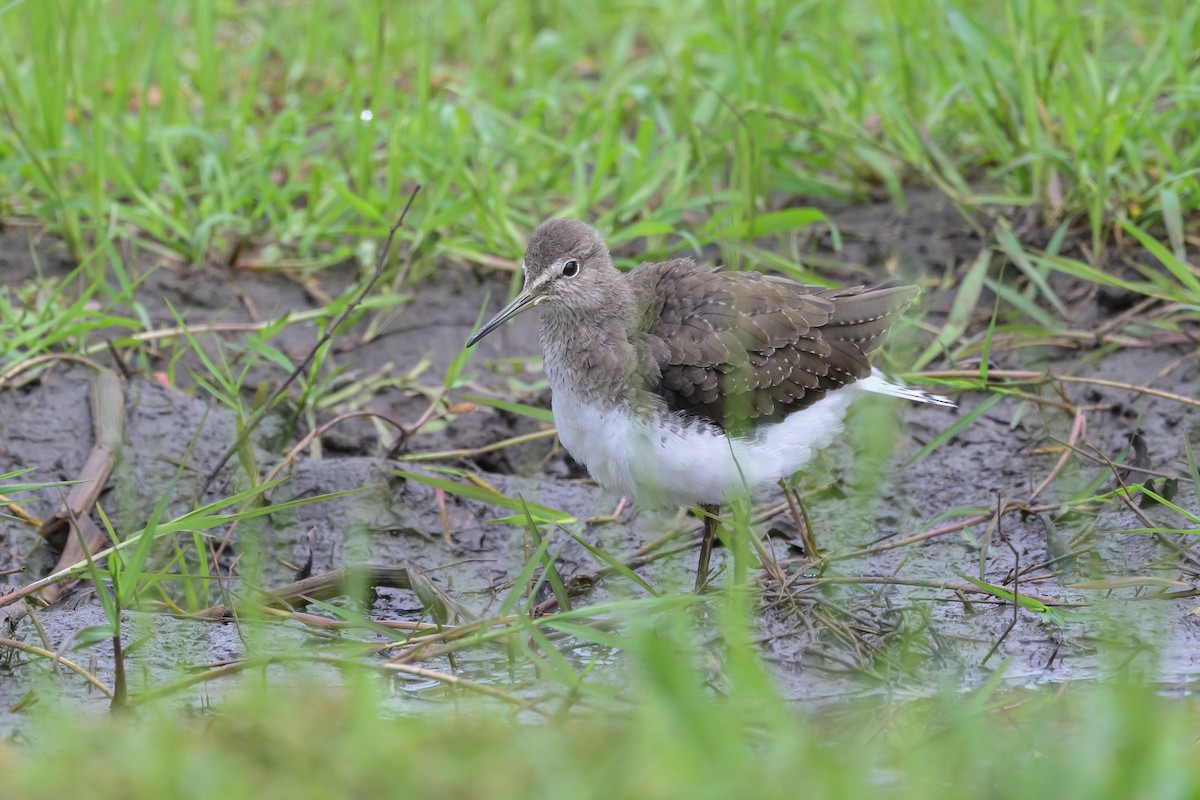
<point>108,419</point>
<point>107,402</point>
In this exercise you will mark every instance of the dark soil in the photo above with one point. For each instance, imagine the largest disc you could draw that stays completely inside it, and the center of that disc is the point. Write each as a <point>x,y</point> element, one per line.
<point>826,641</point>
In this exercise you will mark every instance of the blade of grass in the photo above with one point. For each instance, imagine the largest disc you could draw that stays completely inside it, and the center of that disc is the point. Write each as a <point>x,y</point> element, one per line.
<point>548,567</point>
<point>542,513</point>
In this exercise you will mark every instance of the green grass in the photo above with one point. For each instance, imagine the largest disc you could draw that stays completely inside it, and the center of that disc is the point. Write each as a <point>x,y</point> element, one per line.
<point>293,137</point>
<point>675,740</point>
<point>288,136</point>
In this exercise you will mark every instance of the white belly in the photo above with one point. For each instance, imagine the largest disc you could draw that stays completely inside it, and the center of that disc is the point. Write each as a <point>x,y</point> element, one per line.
<point>663,463</point>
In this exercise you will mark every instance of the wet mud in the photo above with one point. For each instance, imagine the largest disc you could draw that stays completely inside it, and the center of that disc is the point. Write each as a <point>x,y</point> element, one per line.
<point>888,612</point>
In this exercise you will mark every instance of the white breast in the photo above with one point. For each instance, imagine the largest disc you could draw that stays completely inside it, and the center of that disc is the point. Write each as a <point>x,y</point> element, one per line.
<point>672,463</point>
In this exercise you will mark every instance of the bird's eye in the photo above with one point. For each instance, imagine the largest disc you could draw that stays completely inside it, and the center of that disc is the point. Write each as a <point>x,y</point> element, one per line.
<point>570,268</point>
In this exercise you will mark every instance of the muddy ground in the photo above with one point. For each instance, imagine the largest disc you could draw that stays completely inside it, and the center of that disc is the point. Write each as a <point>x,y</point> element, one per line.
<point>880,624</point>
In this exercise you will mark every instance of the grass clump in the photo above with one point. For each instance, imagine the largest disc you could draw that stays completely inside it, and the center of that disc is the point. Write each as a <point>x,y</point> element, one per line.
<point>228,131</point>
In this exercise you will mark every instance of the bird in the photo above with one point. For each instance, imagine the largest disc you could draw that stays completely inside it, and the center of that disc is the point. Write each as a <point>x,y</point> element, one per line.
<point>680,384</point>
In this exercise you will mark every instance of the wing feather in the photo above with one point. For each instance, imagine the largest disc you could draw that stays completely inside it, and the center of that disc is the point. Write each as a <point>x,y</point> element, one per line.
<point>741,347</point>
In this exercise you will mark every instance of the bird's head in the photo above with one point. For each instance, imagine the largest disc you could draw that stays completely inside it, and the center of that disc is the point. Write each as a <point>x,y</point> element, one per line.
<point>567,270</point>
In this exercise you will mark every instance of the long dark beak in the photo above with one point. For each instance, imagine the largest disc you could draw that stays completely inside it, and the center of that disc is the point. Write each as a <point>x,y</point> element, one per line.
<point>521,302</point>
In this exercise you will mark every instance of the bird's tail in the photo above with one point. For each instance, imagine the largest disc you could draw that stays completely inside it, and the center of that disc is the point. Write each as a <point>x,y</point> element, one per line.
<point>877,383</point>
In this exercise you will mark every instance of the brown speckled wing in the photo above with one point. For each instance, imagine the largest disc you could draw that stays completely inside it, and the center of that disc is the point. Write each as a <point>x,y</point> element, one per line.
<point>739,347</point>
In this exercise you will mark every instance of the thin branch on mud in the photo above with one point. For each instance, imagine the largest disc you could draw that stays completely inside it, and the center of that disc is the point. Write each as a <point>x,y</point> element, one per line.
<point>406,433</point>
<point>1026,506</point>
<point>924,583</point>
<point>1009,508</point>
<point>1125,317</point>
<point>1076,339</point>
<point>57,659</point>
<point>463,683</point>
<point>336,583</point>
<point>1077,428</point>
<point>15,510</point>
<point>475,452</point>
<point>261,414</point>
<point>320,431</point>
<point>235,666</point>
<point>1126,495</point>
<point>1016,588</point>
<point>1121,465</point>
<point>933,533</point>
<point>1030,377</point>
<point>448,639</point>
<point>316,621</point>
<point>24,366</point>
<point>199,329</point>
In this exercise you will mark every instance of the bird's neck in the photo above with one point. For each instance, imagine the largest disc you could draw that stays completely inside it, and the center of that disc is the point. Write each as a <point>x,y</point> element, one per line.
<point>589,353</point>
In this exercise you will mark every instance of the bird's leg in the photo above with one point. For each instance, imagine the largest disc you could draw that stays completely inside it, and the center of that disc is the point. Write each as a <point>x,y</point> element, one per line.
<point>615,516</point>
<point>800,518</point>
<point>706,546</point>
